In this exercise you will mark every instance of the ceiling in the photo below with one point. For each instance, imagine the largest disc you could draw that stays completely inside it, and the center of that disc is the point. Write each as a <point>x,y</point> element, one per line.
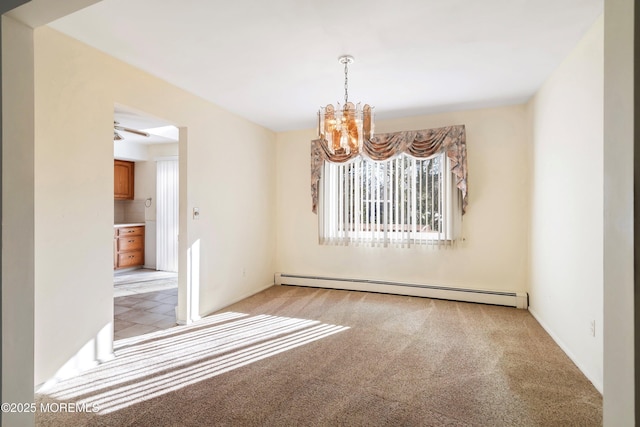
<point>160,131</point>
<point>275,62</point>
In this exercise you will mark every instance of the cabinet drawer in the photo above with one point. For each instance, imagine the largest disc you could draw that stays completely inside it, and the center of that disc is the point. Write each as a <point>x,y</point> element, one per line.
<point>130,259</point>
<point>130,231</point>
<point>130,243</point>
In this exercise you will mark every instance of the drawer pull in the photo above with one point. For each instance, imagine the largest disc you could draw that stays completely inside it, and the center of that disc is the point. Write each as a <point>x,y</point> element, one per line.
<point>131,241</point>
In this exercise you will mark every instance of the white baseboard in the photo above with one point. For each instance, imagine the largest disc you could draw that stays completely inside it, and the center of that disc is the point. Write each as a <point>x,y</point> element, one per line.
<point>511,299</point>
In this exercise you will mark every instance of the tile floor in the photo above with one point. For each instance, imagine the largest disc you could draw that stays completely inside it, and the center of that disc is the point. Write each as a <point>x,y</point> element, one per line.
<point>143,308</point>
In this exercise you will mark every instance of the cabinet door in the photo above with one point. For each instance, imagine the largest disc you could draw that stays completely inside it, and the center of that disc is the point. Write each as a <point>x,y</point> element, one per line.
<point>130,259</point>
<point>123,173</point>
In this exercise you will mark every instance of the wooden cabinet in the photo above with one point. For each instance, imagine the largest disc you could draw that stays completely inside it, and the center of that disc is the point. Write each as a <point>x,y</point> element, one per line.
<point>128,247</point>
<point>123,181</point>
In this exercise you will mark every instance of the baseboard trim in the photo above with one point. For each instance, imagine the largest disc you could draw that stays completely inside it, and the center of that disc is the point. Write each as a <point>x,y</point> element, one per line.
<point>511,299</point>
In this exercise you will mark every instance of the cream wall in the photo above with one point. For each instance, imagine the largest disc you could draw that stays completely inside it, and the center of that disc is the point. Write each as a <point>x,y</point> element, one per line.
<point>567,204</point>
<point>76,89</point>
<point>493,256</point>
<point>160,151</point>
<point>145,187</point>
<point>129,150</point>
<point>133,151</point>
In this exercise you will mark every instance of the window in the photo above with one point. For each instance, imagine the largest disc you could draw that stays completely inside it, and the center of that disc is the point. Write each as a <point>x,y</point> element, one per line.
<point>402,201</point>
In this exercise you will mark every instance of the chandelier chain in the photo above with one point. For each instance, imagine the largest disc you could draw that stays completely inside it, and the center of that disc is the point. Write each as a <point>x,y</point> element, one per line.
<point>346,82</point>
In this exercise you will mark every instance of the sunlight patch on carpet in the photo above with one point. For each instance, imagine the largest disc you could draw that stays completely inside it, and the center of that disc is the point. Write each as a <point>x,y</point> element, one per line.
<point>151,365</point>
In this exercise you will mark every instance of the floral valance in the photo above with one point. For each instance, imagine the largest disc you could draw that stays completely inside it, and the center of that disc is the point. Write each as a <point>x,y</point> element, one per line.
<point>420,144</point>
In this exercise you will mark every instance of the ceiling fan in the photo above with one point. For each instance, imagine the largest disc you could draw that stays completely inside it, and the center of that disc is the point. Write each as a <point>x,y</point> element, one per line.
<point>118,137</point>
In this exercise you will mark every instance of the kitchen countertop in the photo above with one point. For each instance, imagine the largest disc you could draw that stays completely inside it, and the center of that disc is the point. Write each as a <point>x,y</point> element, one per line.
<point>129,224</point>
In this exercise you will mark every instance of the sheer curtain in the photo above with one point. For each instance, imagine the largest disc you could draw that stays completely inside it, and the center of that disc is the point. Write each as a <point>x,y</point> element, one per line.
<point>167,215</point>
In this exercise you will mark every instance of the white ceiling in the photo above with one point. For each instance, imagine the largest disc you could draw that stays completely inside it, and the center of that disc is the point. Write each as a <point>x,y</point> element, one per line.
<point>160,131</point>
<point>275,62</point>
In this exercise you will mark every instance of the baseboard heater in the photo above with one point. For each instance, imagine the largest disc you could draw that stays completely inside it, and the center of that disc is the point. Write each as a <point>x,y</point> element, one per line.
<point>511,299</point>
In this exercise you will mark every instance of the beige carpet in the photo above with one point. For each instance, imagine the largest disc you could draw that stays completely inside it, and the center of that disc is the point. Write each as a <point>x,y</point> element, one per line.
<point>293,356</point>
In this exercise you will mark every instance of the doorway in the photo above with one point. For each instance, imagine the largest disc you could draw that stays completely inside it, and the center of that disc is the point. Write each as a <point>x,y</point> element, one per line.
<point>145,224</point>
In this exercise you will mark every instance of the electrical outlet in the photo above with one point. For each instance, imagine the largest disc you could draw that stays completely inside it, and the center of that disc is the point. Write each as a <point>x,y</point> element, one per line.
<point>592,328</point>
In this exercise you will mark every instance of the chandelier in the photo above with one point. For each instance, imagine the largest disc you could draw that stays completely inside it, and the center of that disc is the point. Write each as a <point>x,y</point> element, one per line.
<point>344,129</point>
